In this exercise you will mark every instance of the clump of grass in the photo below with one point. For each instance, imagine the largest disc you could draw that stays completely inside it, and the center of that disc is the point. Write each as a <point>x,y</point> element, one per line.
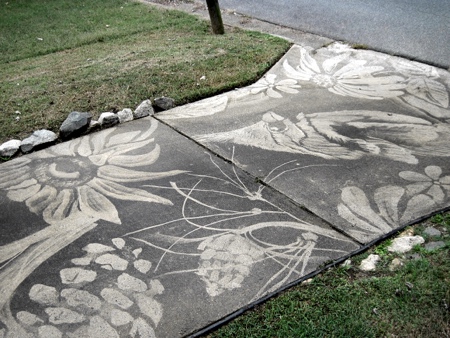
<point>346,302</point>
<point>106,55</point>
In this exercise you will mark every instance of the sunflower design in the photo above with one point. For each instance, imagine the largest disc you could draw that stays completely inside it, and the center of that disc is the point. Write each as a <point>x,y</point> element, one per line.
<point>342,76</point>
<point>83,175</point>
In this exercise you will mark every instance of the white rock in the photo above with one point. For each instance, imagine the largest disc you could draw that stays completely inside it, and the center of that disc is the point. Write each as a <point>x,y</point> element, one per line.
<point>369,264</point>
<point>28,318</point>
<point>38,138</point>
<point>115,297</point>
<point>49,331</point>
<point>99,328</point>
<point>119,318</point>
<point>77,275</point>
<point>43,294</point>
<point>125,115</point>
<point>81,298</point>
<point>119,243</point>
<point>405,244</point>
<point>127,282</point>
<point>9,148</point>
<point>97,248</point>
<point>114,261</point>
<point>142,265</point>
<point>347,263</point>
<point>144,109</point>
<point>61,315</point>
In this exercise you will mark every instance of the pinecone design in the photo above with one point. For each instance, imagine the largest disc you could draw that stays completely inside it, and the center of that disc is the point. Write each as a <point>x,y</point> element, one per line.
<point>226,261</point>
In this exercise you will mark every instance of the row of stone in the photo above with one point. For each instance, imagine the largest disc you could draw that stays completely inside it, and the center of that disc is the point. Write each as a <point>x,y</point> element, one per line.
<point>77,124</point>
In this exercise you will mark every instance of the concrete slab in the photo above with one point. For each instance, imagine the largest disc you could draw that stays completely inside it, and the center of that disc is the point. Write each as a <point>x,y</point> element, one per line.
<point>138,231</point>
<point>359,138</point>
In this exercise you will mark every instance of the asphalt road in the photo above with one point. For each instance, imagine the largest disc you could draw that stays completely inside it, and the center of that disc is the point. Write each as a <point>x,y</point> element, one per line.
<point>416,29</point>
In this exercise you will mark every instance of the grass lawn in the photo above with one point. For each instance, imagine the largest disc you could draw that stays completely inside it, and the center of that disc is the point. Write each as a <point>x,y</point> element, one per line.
<point>58,56</point>
<point>413,301</point>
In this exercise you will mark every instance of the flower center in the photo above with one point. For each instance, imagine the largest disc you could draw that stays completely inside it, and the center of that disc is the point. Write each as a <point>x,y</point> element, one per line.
<point>324,80</point>
<point>66,172</point>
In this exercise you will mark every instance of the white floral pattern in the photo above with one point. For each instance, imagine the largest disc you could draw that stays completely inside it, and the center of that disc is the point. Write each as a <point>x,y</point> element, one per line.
<point>130,302</point>
<point>269,86</point>
<point>83,176</point>
<point>432,183</point>
<point>354,78</point>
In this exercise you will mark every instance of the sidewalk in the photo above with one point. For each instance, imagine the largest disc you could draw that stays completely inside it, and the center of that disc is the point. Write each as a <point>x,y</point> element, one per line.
<point>163,226</point>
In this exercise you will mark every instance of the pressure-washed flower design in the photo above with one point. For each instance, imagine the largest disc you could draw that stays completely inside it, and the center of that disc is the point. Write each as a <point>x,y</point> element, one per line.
<point>226,261</point>
<point>92,306</point>
<point>354,78</point>
<point>432,183</point>
<point>425,90</point>
<point>271,87</point>
<point>84,175</point>
<point>325,134</point>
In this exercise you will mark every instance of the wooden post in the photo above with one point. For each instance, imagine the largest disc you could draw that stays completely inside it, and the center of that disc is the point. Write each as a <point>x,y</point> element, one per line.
<point>216,17</point>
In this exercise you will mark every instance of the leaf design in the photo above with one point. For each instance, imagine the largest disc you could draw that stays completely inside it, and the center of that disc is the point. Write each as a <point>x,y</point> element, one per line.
<point>201,108</point>
<point>149,307</point>
<point>429,90</point>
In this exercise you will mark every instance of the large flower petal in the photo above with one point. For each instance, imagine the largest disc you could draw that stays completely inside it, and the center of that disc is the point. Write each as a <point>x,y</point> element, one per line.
<point>329,65</point>
<point>297,73</point>
<point>307,62</point>
<point>83,147</point>
<point>416,188</point>
<point>121,192</point>
<point>122,138</point>
<point>103,157</point>
<point>413,176</point>
<point>136,160</point>
<point>42,199</point>
<point>273,94</point>
<point>270,78</point>
<point>60,207</point>
<point>118,174</point>
<point>14,177</point>
<point>20,195</point>
<point>355,200</point>
<point>433,171</point>
<point>387,199</point>
<point>436,192</point>
<point>99,140</point>
<point>96,205</point>
<point>289,90</point>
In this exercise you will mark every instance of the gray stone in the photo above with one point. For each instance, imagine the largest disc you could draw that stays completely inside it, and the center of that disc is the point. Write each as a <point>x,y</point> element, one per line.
<point>434,245</point>
<point>107,120</point>
<point>74,125</point>
<point>143,110</point>
<point>164,103</point>
<point>38,139</point>
<point>433,232</point>
<point>9,148</point>
<point>125,115</point>
<point>405,244</point>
